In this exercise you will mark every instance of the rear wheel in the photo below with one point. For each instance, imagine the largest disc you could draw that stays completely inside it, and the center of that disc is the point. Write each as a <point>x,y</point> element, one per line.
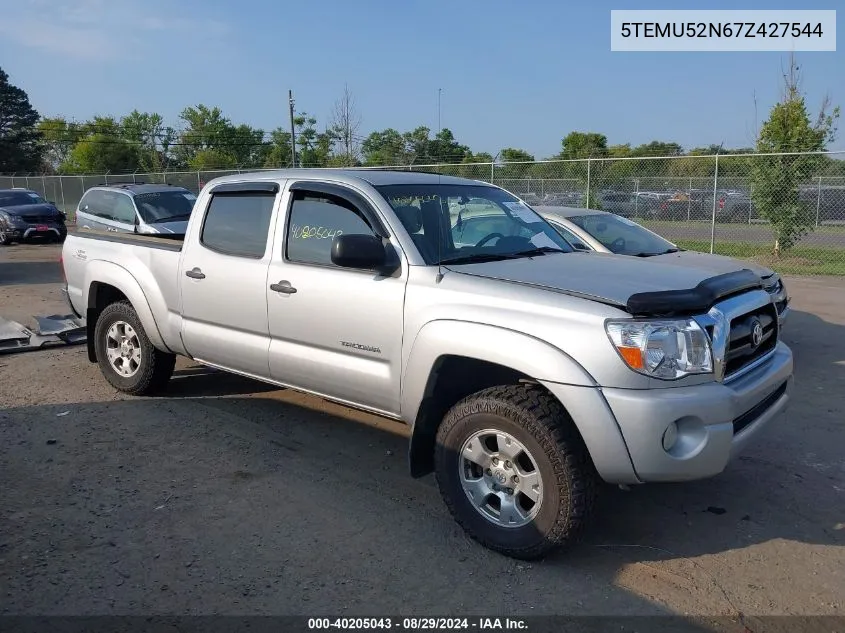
<point>127,358</point>
<point>514,472</point>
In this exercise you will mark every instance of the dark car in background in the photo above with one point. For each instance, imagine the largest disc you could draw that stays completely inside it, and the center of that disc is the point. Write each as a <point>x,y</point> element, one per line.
<point>25,216</point>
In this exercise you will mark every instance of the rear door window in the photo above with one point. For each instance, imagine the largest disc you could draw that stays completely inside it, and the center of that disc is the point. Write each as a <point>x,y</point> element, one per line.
<point>238,223</point>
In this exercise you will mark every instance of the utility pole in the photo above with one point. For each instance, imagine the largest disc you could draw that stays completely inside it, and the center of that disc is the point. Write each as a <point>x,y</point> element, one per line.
<point>292,130</point>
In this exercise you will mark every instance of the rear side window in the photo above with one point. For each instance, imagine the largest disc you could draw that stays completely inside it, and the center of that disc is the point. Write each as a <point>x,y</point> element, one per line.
<point>238,223</point>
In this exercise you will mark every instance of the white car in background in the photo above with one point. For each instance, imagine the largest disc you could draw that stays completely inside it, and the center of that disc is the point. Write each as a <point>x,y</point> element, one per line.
<point>603,232</point>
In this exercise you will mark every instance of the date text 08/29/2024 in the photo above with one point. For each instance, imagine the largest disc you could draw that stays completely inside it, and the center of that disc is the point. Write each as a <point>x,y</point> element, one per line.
<point>418,623</point>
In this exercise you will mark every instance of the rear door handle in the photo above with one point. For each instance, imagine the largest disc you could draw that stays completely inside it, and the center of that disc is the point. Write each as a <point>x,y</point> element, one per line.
<point>195,273</point>
<point>284,287</point>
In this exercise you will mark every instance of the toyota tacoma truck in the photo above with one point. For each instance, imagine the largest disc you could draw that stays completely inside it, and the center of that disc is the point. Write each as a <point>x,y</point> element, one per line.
<point>528,372</point>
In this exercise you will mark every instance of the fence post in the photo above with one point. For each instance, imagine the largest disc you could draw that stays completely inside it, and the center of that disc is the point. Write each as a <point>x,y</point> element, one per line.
<point>818,201</point>
<point>107,176</point>
<point>199,183</point>
<point>62,190</point>
<point>750,202</point>
<point>26,181</point>
<point>44,186</point>
<point>689,200</point>
<point>636,197</point>
<point>492,164</point>
<point>589,162</point>
<point>713,219</point>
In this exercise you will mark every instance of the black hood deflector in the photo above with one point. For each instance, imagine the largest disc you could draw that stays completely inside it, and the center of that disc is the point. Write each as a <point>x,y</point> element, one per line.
<point>665,303</point>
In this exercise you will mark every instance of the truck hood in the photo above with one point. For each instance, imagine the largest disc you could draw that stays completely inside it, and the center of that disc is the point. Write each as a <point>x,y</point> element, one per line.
<point>718,264</point>
<point>639,286</point>
<point>31,209</point>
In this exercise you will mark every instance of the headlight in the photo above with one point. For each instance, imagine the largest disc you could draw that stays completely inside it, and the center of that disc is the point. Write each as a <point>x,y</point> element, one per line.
<point>665,349</point>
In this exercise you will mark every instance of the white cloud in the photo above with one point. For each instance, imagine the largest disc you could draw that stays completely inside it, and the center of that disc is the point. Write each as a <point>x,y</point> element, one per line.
<point>92,30</point>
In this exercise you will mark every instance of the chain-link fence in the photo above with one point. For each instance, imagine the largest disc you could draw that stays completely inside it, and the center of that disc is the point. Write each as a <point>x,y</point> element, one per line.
<point>742,205</point>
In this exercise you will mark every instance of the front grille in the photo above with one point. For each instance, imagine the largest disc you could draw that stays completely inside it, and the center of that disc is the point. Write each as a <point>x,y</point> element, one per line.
<point>759,409</point>
<point>38,219</point>
<point>741,350</point>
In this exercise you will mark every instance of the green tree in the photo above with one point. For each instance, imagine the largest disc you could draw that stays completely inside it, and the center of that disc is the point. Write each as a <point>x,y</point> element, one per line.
<point>777,178</point>
<point>278,152</point>
<point>583,145</point>
<point>151,137</point>
<point>20,147</point>
<point>101,153</point>
<point>58,137</point>
<point>385,147</point>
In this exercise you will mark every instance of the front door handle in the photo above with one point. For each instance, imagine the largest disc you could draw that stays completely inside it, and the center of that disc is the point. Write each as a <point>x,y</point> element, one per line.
<point>195,273</point>
<point>284,287</point>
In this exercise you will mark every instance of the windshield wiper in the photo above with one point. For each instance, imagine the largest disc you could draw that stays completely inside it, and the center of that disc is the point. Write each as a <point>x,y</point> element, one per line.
<point>492,257</point>
<point>670,250</point>
<point>170,218</point>
<point>478,258</point>
<point>540,250</point>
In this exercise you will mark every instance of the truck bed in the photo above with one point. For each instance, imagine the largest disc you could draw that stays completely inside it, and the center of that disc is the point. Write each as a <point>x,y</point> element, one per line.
<point>164,241</point>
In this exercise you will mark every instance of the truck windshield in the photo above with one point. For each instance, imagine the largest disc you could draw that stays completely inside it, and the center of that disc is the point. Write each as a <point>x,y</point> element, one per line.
<point>471,223</point>
<point>19,198</point>
<point>165,206</point>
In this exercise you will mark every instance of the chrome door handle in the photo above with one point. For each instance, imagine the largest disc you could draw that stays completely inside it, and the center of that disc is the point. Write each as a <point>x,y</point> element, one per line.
<point>195,273</point>
<point>283,287</point>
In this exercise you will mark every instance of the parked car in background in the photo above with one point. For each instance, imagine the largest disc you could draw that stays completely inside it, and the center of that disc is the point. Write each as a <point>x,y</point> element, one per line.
<point>25,215</point>
<point>599,231</point>
<point>136,208</point>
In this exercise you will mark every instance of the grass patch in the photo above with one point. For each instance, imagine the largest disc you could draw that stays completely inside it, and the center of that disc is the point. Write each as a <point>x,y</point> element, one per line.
<point>800,260</point>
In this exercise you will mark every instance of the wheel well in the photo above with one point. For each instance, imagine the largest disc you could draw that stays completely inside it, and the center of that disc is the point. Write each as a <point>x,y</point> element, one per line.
<point>100,296</point>
<point>451,379</point>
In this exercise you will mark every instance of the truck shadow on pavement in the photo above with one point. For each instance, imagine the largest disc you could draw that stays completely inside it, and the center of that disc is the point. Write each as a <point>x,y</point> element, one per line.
<point>26,272</point>
<point>249,501</point>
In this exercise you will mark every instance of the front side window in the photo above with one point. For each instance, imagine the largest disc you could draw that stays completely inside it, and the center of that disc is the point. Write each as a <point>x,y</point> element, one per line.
<point>622,236</point>
<point>238,223</point>
<point>165,206</point>
<point>315,220</point>
<point>122,209</point>
<point>466,223</point>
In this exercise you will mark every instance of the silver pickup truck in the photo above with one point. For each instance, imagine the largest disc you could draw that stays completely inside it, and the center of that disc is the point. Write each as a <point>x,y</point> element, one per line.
<point>528,372</point>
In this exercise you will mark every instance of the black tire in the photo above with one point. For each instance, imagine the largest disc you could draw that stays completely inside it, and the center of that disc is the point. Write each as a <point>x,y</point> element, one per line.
<point>4,239</point>
<point>155,367</point>
<point>537,420</point>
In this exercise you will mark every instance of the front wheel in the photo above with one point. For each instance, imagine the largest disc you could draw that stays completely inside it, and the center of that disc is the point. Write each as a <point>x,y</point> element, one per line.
<point>127,358</point>
<point>514,471</point>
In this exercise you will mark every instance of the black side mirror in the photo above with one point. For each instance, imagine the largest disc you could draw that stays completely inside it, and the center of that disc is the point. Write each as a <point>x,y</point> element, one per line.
<point>358,251</point>
<point>578,246</point>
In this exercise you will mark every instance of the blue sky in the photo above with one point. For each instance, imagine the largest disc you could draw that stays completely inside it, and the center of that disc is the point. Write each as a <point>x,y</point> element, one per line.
<point>512,74</point>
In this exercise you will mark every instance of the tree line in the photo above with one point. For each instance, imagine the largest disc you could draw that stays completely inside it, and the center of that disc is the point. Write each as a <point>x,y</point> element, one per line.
<point>207,140</point>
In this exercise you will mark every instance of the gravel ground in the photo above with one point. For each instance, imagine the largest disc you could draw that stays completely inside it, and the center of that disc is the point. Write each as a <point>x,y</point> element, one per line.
<point>227,496</point>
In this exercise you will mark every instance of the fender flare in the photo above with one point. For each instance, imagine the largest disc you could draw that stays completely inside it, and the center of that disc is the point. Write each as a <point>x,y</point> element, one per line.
<point>564,378</point>
<point>535,358</point>
<point>100,271</point>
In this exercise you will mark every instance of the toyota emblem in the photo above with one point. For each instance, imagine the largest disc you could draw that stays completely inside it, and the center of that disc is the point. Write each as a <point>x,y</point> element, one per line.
<point>756,333</point>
